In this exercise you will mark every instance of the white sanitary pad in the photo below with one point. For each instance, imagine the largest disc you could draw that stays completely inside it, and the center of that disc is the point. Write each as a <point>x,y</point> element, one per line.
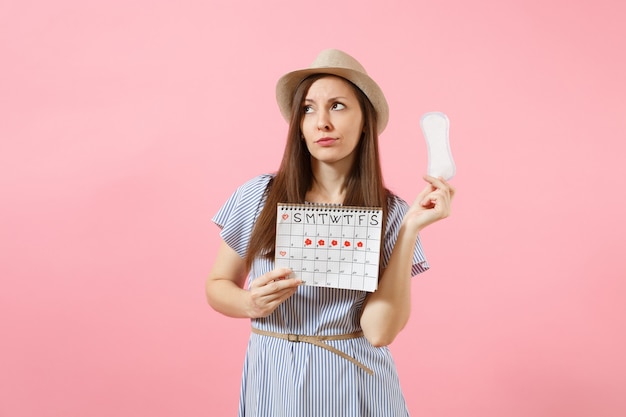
<point>436,128</point>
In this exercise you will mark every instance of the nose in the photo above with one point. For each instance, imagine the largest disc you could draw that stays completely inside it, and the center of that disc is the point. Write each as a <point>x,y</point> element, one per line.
<point>323,121</point>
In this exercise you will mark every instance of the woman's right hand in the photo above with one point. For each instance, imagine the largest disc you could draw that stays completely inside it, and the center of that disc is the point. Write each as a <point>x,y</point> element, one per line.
<point>268,291</point>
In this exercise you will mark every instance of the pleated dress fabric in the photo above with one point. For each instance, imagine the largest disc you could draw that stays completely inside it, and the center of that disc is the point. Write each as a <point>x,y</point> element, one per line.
<point>284,378</point>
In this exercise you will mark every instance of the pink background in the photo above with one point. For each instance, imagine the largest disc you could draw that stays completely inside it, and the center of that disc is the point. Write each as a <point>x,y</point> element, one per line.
<point>125,125</point>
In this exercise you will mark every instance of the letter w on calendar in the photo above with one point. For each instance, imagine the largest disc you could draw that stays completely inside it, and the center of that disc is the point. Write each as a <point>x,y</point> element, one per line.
<point>330,246</point>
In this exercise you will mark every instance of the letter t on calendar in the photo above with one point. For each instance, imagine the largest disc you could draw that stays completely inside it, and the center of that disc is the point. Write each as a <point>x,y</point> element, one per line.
<point>330,246</point>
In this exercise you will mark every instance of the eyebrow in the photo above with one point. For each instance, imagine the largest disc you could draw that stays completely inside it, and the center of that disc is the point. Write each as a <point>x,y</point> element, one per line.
<point>330,99</point>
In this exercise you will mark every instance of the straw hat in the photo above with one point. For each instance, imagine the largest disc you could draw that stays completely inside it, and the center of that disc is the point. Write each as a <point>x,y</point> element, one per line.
<point>334,62</point>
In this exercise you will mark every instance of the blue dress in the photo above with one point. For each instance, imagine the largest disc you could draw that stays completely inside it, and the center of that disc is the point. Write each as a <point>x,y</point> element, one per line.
<point>283,378</point>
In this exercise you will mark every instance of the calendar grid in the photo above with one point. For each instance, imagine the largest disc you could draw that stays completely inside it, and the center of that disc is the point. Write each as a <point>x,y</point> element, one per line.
<point>330,246</point>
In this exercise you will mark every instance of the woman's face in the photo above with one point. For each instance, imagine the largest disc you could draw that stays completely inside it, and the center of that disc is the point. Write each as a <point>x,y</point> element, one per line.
<point>332,123</point>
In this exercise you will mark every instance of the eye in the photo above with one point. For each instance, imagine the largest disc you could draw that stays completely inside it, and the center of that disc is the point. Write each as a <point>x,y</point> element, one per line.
<point>337,106</point>
<point>307,109</point>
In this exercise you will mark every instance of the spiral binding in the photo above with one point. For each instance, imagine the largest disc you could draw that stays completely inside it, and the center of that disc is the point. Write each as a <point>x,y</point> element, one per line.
<point>327,207</point>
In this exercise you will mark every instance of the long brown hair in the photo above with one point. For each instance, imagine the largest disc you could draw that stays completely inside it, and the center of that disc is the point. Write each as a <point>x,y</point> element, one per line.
<point>364,185</point>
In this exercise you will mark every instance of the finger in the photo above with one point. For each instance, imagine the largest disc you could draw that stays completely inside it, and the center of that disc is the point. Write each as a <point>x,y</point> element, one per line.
<point>439,199</point>
<point>279,285</point>
<point>287,284</point>
<point>275,298</point>
<point>273,275</point>
<point>422,195</point>
<point>282,295</point>
<point>451,190</point>
<point>274,290</point>
<point>439,182</point>
<point>265,304</point>
<point>431,198</point>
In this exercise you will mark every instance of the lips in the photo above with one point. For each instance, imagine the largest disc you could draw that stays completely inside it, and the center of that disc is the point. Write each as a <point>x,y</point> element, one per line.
<point>326,141</point>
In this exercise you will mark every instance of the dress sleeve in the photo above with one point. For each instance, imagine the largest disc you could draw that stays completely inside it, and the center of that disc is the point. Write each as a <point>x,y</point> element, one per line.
<point>397,209</point>
<point>236,218</point>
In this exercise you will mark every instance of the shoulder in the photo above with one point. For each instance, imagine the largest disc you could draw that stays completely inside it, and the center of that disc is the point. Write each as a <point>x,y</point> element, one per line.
<point>396,209</point>
<point>254,188</point>
<point>247,196</point>
<point>258,182</point>
<point>238,214</point>
<point>396,204</point>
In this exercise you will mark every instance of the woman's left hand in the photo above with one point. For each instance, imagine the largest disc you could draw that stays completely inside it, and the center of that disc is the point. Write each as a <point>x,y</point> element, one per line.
<point>432,204</point>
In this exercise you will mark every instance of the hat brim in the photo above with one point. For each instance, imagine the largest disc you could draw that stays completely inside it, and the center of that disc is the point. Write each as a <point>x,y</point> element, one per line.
<point>287,84</point>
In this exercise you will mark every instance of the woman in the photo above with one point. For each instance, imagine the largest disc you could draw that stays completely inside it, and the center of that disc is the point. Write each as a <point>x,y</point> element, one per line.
<point>317,351</point>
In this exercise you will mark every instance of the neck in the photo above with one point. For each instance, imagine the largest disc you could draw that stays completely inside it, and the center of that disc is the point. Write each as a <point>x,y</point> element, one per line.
<point>328,184</point>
